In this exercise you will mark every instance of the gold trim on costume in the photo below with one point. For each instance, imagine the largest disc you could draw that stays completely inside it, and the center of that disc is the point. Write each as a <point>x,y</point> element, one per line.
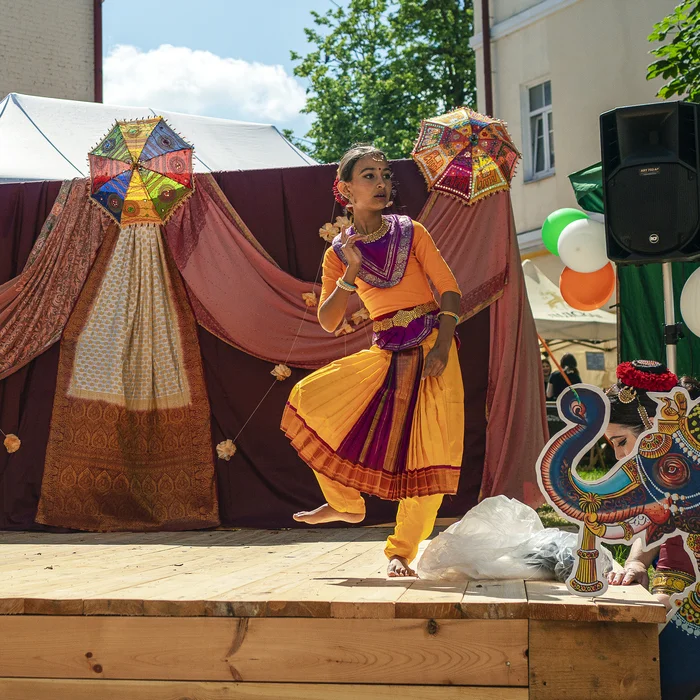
<point>403,317</point>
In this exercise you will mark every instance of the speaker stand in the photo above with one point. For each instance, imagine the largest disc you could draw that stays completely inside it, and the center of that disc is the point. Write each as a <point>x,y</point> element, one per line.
<point>672,330</point>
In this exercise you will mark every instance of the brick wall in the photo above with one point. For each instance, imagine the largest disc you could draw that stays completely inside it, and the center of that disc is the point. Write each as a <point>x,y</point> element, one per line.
<point>46,48</point>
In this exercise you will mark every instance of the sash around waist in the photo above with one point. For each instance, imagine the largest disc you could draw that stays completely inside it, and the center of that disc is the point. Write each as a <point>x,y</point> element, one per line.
<point>405,328</point>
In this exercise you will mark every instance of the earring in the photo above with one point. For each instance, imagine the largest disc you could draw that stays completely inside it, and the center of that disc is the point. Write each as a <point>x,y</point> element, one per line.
<point>388,204</point>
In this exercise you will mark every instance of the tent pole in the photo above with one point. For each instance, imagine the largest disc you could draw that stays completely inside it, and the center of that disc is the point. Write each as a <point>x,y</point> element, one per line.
<point>670,327</point>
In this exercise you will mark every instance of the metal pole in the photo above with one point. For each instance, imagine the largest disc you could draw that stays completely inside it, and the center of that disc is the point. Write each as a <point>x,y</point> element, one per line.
<point>97,50</point>
<point>486,43</point>
<point>669,317</point>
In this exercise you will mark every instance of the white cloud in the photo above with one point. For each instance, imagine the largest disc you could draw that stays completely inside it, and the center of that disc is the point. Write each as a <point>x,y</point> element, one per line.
<point>179,79</point>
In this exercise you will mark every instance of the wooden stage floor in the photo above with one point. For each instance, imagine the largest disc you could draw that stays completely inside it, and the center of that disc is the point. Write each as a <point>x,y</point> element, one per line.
<point>298,614</point>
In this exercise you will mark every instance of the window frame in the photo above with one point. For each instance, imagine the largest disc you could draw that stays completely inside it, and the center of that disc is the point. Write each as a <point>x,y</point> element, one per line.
<point>527,115</point>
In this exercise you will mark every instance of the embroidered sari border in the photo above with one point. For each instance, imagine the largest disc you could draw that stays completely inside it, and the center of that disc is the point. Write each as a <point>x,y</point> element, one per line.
<point>426,481</point>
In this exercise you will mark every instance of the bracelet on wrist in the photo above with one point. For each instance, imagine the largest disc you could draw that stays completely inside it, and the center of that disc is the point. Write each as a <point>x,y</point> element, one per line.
<point>345,286</point>
<point>451,314</point>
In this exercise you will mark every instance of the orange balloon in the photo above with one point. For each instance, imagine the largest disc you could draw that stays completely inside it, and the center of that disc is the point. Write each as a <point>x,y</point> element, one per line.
<point>587,291</point>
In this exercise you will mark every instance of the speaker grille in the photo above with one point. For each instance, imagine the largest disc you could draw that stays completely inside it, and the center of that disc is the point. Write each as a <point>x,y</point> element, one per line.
<point>687,148</point>
<point>653,209</point>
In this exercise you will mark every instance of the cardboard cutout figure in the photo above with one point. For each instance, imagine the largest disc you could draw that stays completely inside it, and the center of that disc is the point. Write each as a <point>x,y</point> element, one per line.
<point>653,493</point>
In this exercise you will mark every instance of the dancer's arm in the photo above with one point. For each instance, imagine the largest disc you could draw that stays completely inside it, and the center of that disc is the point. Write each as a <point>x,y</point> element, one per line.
<point>441,276</point>
<point>436,359</point>
<point>334,300</point>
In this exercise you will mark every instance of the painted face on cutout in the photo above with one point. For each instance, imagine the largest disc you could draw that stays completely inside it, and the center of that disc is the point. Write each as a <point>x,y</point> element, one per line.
<point>622,438</point>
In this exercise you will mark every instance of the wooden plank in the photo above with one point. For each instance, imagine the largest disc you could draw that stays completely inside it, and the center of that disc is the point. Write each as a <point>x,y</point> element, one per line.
<point>307,590</point>
<point>51,689</point>
<point>584,660</point>
<point>63,592</point>
<point>401,652</point>
<point>431,599</point>
<point>550,600</point>
<point>630,604</point>
<point>68,565</point>
<point>253,583</point>
<point>11,606</point>
<point>363,589</point>
<point>129,577</point>
<point>495,600</point>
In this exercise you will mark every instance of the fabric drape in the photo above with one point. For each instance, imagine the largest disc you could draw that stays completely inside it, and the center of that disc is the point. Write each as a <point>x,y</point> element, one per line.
<point>35,305</point>
<point>517,422</point>
<point>129,446</point>
<point>265,481</point>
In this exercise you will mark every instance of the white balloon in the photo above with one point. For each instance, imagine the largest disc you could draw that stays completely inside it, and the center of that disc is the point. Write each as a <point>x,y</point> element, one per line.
<point>582,246</point>
<point>690,302</point>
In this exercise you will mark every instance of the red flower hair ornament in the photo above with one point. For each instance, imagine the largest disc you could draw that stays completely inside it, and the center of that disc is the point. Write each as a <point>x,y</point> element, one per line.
<point>339,196</point>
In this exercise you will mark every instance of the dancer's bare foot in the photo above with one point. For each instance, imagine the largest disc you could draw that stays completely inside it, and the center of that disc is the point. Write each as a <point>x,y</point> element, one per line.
<point>398,566</point>
<point>326,514</point>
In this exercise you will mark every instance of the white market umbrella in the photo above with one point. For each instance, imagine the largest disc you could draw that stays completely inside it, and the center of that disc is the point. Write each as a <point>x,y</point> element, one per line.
<point>555,319</point>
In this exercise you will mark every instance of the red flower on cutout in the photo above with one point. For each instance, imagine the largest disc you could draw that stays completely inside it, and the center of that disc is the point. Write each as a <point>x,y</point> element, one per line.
<point>663,380</point>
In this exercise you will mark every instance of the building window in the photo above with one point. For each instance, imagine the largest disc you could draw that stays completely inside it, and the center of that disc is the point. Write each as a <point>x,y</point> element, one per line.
<point>541,130</point>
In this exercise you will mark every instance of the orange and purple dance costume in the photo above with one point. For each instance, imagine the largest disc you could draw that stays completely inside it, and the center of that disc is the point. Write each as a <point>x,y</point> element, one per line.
<point>368,423</point>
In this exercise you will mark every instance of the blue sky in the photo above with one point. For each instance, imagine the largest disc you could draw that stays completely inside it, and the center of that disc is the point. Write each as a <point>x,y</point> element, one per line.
<point>221,58</point>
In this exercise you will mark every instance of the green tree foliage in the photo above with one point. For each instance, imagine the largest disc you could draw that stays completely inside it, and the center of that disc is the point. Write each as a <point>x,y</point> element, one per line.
<point>380,66</point>
<point>679,57</point>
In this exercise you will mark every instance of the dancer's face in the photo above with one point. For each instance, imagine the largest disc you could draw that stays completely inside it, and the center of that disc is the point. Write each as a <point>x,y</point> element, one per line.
<point>370,186</point>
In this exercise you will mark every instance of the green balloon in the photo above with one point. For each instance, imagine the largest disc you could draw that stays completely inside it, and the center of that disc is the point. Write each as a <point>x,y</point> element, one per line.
<point>555,223</point>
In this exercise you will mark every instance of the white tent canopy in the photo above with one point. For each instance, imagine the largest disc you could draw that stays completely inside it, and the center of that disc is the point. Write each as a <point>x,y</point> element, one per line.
<point>42,138</point>
<point>555,319</point>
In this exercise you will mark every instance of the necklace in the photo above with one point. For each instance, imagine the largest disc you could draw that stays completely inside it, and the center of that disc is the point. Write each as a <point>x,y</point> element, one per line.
<point>376,235</point>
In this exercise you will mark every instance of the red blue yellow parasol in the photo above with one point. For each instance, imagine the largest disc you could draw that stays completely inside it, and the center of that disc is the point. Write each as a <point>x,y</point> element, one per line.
<point>141,171</point>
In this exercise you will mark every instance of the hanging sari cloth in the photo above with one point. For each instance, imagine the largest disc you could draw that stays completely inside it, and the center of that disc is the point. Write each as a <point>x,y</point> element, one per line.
<point>35,305</point>
<point>216,253</point>
<point>130,440</point>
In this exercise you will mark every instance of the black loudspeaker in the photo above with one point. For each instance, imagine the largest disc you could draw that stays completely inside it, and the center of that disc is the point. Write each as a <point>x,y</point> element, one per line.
<point>651,183</point>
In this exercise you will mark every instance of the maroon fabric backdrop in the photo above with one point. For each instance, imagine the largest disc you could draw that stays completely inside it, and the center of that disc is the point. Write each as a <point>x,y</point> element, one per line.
<point>265,482</point>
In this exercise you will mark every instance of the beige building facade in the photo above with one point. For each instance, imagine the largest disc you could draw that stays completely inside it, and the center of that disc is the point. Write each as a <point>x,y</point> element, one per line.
<point>47,48</point>
<point>556,66</point>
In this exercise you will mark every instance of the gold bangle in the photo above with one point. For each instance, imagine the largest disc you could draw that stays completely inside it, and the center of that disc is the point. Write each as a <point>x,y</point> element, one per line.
<point>345,286</point>
<point>451,314</point>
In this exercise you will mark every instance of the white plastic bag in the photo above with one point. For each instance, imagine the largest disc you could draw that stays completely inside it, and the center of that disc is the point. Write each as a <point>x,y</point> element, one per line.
<point>501,538</point>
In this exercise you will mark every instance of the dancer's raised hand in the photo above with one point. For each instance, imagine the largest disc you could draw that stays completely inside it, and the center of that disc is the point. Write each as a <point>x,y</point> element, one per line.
<point>350,251</point>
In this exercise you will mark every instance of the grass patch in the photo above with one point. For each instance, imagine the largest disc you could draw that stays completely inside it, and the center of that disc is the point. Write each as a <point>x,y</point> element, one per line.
<point>592,474</point>
<point>550,518</point>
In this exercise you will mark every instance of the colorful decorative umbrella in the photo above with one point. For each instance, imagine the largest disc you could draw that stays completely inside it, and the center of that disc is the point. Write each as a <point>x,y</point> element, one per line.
<point>141,171</point>
<point>465,154</point>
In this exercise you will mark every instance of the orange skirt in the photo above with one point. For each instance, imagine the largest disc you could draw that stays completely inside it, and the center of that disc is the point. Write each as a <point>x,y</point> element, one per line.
<point>370,422</point>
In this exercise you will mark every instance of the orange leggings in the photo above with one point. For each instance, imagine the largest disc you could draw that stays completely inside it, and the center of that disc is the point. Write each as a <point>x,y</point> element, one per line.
<point>415,518</point>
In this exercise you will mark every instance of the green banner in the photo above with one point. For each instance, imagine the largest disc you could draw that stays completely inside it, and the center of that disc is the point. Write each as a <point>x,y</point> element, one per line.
<point>640,293</point>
